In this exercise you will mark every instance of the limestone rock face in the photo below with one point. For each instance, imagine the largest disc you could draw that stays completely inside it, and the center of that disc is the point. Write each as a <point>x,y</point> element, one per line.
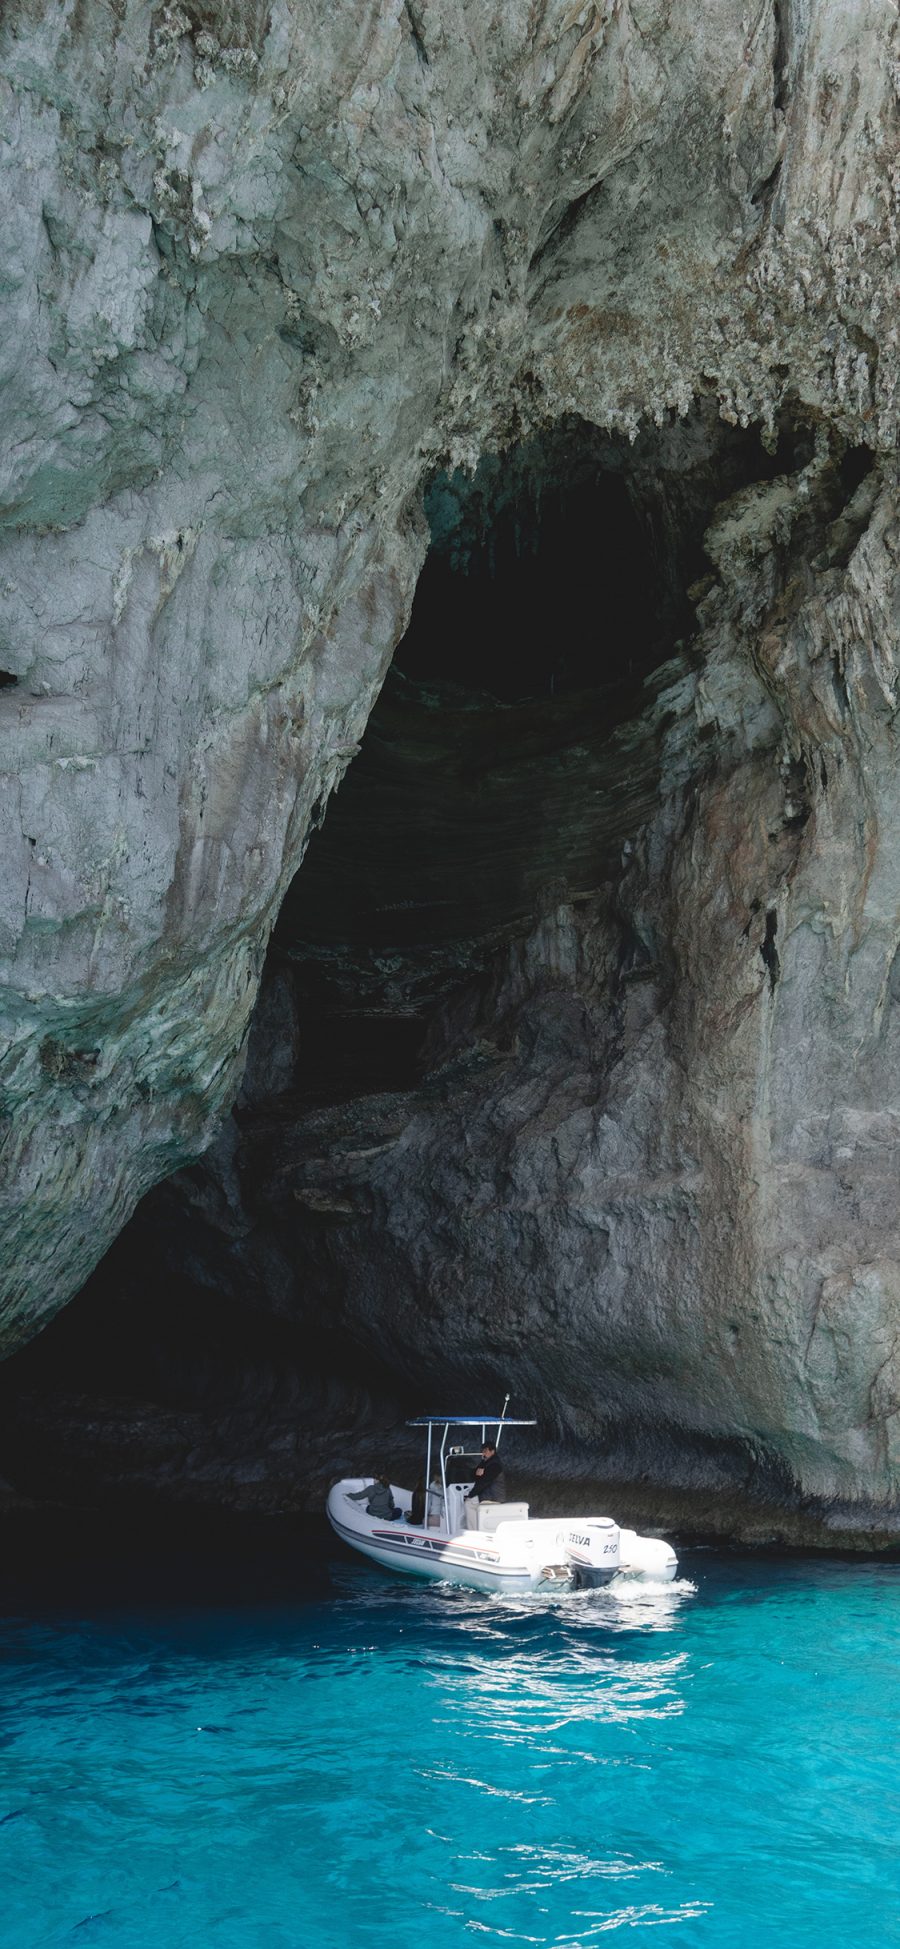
<point>645,1171</point>
<point>265,268</point>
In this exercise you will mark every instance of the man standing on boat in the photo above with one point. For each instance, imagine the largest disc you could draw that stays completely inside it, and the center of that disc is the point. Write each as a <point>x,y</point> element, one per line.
<point>490,1483</point>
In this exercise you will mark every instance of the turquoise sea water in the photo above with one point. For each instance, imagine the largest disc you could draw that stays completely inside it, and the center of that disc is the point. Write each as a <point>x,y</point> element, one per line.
<point>394,1765</point>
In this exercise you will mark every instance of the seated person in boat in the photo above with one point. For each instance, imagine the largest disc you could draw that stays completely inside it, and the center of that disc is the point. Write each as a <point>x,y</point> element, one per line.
<point>377,1498</point>
<point>489,1485</point>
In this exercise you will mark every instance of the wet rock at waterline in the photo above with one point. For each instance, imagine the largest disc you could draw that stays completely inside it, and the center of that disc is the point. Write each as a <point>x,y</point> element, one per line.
<point>629,1135</point>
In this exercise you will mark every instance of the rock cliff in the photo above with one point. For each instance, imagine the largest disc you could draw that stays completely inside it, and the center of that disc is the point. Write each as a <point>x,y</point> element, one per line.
<point>270,278</point>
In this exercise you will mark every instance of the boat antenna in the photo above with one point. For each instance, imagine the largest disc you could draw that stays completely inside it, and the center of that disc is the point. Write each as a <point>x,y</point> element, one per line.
<point>501,1420</point>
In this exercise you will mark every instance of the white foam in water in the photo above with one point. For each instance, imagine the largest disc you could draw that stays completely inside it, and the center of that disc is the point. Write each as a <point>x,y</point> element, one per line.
<point>626,1586</point>
<point>650,1604</point>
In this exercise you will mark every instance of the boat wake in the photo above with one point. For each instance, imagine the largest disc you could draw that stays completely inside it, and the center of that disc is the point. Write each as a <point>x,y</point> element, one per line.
<point>631,1588</point>
<point>622,1590</point>
<point>623,1605</point>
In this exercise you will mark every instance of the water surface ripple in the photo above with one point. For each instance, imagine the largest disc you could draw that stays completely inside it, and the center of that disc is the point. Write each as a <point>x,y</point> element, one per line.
<point>395,1765</point>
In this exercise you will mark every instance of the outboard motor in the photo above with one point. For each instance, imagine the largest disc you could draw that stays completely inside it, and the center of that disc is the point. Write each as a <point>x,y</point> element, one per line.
<point>592,1549</point>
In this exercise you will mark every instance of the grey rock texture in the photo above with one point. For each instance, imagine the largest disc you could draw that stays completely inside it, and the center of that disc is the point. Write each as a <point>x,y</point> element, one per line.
<point>264,268</point>
<point>648,1172</point>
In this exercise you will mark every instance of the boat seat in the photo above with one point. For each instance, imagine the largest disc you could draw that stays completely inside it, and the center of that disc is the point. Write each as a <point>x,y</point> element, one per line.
<point>491,1514</point>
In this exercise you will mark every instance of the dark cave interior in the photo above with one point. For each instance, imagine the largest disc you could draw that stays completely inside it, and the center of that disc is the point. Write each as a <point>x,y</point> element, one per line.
<point>489,619</point>
<point>514,750</point>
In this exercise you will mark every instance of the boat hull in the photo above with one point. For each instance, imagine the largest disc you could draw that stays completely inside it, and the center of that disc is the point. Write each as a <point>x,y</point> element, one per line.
<point>516,1556</point>
<point>437,1558</point>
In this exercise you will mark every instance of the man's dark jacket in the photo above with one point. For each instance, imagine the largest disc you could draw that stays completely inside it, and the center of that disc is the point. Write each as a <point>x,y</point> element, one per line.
<point>490,1485</point>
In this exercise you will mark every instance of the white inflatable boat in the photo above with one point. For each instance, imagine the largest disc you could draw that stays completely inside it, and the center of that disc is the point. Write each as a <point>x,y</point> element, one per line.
<point>508,1550</point>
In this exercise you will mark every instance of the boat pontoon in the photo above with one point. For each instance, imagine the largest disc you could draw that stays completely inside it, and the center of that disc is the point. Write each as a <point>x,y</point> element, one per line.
<point>508,1550</point>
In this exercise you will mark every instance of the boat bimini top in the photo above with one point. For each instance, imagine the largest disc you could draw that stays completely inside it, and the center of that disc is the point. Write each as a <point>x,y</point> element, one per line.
<point>447,1422</point>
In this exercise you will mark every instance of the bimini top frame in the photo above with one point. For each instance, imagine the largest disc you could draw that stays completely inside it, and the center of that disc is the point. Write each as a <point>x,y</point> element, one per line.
<point>448,1421</point>
<point>481,1421</point>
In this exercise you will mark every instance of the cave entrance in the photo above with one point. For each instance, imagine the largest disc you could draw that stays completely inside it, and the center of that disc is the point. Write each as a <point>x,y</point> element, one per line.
<point>517,741</point>
<point>513,755</point>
